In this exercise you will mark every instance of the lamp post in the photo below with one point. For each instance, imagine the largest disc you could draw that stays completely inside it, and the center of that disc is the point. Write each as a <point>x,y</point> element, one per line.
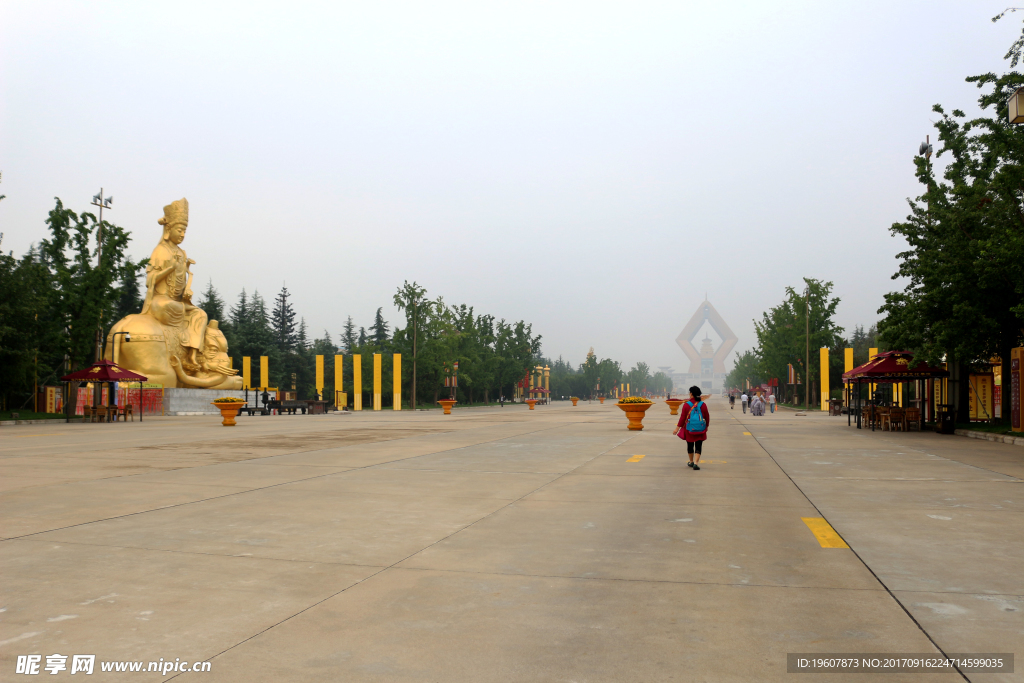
<point>113,344</point>
<point>103,203</point>
<point>113,356</point>
<point>807,351</point>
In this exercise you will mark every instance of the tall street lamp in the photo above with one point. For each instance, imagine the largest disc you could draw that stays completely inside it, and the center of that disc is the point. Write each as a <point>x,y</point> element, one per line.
<point>104,203</point>
<point>807,352</point>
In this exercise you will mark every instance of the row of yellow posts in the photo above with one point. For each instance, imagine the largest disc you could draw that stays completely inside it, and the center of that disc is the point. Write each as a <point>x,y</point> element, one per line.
<point>340,398</point>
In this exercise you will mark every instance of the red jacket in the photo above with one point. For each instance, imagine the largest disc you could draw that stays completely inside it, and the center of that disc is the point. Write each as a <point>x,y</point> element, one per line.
<point>685,413</point>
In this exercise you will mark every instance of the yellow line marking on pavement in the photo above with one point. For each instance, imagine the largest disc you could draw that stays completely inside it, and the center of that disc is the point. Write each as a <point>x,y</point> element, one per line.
<point>712,462</point>
<point>823,531</point>
<point>746,434</point>
<point>636,458</point>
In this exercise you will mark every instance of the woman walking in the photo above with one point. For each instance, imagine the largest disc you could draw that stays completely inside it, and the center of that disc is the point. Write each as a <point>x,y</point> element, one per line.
<point>693,422</point>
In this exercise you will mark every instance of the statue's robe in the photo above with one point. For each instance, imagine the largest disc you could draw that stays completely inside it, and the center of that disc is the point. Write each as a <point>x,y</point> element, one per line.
<point>169,298</point>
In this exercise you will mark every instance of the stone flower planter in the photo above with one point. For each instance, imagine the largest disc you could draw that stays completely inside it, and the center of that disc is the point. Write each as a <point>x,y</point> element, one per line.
<point>601,399</point>
<point>228,411</point>
<point>447,405</point>
<point>574,400</point>
<point>673,404</point>
<point>635,413</point>
<point>532,402</point>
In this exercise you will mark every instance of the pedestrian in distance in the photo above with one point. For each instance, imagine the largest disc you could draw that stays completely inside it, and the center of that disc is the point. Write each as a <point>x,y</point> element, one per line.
<point>743,400</point>
<point>771,403</point>
<point>693,426</point>
<point>732,401</point>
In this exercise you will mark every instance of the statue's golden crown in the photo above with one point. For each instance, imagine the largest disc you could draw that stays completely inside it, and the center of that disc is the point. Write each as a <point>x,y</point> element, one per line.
<point>175,212</point>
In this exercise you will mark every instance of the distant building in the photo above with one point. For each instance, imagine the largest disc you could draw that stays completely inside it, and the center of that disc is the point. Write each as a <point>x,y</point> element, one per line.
<point>707,366</point>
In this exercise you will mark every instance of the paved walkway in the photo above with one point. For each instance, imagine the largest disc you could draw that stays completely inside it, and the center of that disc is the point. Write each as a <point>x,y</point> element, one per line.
<point>504,545</point>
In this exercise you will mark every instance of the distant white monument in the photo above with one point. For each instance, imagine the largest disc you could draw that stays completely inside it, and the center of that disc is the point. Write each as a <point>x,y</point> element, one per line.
<point>707,366</point>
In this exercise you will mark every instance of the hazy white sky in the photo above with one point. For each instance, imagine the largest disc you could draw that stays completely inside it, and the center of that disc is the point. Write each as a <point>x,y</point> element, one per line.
<point>591,168</point>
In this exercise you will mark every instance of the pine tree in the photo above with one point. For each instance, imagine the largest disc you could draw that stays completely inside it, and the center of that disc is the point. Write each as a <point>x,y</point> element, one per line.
<point>240,312</point>
<point>379,329</point>
<point>130,300</point>
<point>213,304</point>
<point>283,321</point>
<point>348,337</point>
<point>362,336</point>
<point>301,340</point>
<point>324,346</point>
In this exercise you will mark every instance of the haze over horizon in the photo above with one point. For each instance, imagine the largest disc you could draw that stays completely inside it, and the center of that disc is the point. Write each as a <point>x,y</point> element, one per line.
<point>592,169</point>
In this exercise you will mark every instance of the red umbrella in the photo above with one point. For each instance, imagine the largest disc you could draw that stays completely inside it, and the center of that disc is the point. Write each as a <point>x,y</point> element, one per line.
<point>104,371</point>
<point>893,366</point>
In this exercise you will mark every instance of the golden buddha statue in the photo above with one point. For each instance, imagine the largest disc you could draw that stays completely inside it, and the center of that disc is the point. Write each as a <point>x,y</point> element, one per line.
<point>168,285</point>
<point>172,342</point>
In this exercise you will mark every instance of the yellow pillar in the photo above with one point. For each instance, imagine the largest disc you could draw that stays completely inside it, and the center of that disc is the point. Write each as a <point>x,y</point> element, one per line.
<point>396,371</point>
<point>547,382</point>
<point>357,382</point>
<point>246,372</point>
<point>320,375</point>
<point>627,389</point>
<point>530,394</point>
<point>264,372</point>
<point>871,352</point>
<point>339,381</point>
<point>376,382</point>
<point>823,359</point>
<point>847,366</point>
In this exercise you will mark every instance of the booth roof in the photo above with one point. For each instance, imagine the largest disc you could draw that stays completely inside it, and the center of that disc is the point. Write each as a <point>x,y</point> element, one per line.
<point>893,366</point>
<point>103,371</point>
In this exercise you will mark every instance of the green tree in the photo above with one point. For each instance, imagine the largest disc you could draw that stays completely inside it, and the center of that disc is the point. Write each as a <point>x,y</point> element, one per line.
<point>660,383</point>
<point>965,299</point>
<point>30,339</point>
<point>379,332</point>
<point>253,336</point>
<point>85,292</point>
<point>348,337</point>
<point>130,299</point>
<point>744,369</point>
<point>283,321</point>
<point>410,299</point>
<point>782,339</point>
<point>213,305</point>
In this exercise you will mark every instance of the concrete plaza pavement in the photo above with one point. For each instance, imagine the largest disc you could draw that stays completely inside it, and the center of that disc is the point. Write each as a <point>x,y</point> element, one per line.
<point>501,544</point>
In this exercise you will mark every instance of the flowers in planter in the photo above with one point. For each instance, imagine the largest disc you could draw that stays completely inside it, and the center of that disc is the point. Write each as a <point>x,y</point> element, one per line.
<point>228,399</point>
<point>634,399</point>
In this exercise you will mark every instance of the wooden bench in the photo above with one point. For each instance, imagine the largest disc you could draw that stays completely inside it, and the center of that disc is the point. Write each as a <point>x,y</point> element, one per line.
<point>289,407</point>
<point>252,410</point>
